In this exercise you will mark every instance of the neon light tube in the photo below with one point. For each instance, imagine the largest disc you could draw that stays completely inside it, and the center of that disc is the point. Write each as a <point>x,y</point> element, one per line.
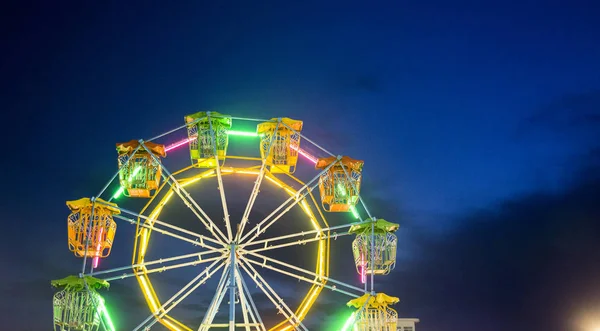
<point>354,212</point>
<point>349,323</point>
<point>179,143</point>
<point>97,257</point>
<point>304,153</point>
<point>363,274</point>
<point>342,189</point>
<point>121,189</point>
<point>243,133</point>
<point>230,132</point>
<point>102,311</point>
<point>119,192</point>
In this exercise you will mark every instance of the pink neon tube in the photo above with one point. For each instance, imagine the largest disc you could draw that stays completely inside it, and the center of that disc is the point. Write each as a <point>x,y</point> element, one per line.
<point>300,150</point>
<point>97,257</point>
<point>363,274</point>
<point>179,143</point>
<point>304,153</point>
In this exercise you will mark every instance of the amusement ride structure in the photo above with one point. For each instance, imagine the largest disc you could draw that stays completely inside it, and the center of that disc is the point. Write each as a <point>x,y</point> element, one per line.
<point>236,252</point>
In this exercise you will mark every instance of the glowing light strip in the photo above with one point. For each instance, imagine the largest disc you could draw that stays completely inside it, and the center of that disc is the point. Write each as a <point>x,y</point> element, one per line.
<point>304,153</point>
<point>179,143</point>
<point>149,295</point>
<point>101,310</point>
<point>97,257</point>
<point>169,324</point>
<point>230,132</point>
<point>121,189</point>
<point>363,274</point>
<point>144,242</point>
<point>243,133</point>
<point>349,322</point>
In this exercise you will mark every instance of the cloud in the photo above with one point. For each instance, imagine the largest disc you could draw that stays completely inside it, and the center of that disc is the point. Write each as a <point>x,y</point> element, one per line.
<point>529,263</point>
<point>571,114</point>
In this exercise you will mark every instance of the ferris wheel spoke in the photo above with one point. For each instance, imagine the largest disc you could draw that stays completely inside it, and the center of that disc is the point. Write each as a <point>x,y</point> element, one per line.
<point>280,305</point>
<point>181,294</point>
<point>261,227</point>
<point>322,233</point>
<point>150,221</point>
<point>319,280</point>
<point>220,180</point>
<point>198,241</point>
<point>253,310</point>
<point>297,242</point>
<point>189,201</point>
<point>198,258</point>
<point>256,188</point>
<point>296,198</point>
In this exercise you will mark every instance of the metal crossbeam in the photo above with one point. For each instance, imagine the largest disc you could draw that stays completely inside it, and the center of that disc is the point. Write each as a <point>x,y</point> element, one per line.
<point>308,272</point>
<point>320,233</point>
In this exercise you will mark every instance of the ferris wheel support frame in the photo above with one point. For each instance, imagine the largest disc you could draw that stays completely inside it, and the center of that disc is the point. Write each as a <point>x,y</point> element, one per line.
<point>261,283</point>
<point>232,267</point>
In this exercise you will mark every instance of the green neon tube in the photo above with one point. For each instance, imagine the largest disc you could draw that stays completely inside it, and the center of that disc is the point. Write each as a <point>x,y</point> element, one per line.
<point>121,189</point>
<point>349,323</point>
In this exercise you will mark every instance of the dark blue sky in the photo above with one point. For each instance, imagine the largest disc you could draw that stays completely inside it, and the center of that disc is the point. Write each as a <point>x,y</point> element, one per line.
<point>454,106</point>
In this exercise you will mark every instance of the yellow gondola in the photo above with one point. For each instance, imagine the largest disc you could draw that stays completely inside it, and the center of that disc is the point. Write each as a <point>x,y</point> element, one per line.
<point>283,137</point>
<point>91,224</point>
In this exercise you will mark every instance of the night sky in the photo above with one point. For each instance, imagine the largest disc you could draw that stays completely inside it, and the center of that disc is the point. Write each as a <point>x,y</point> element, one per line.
<point>478,121</point>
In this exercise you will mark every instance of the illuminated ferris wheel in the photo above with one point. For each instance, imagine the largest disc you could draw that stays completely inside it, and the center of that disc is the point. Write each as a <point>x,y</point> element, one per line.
<point>233,259</point>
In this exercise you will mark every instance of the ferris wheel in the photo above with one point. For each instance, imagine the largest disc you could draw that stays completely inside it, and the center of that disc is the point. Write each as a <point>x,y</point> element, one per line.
<point>234,259</point>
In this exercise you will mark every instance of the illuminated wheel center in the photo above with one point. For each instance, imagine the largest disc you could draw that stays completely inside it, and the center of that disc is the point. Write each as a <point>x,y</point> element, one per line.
<point>231,259</point>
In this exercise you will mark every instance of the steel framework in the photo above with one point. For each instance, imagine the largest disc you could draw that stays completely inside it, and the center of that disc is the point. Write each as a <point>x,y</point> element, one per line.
<point>236,255</point>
